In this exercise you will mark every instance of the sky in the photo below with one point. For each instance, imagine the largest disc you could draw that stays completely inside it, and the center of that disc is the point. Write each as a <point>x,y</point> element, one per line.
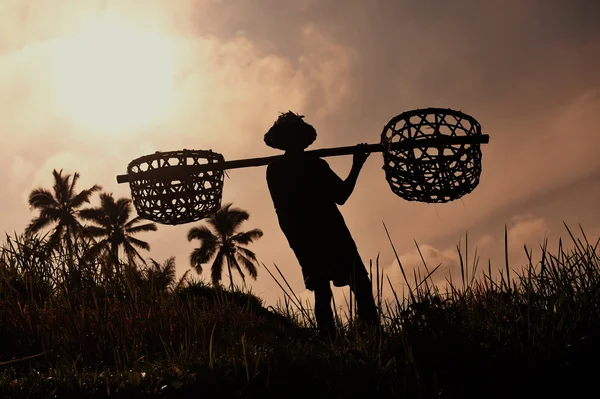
<point>88,86</point>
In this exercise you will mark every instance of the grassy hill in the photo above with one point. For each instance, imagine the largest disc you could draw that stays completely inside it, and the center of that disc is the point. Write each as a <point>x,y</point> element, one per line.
<point>533,334</point>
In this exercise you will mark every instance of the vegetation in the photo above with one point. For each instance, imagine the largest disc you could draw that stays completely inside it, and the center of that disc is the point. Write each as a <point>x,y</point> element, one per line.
<point>67,331</point>
<point>225,243</point>
<point>112,230</point>
<point>59,207</point>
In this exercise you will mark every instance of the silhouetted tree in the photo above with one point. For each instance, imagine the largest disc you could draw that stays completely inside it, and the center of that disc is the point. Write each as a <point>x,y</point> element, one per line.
<point>59,207</point>
<point>226,242</point>
<point>162,276</point>
<point>114,229</point>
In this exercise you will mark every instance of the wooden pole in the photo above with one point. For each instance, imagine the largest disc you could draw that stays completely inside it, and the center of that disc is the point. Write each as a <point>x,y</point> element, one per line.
<point>174,172</point>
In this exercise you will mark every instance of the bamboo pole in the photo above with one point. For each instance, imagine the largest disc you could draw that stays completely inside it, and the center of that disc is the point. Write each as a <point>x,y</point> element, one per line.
<point>174,172</point>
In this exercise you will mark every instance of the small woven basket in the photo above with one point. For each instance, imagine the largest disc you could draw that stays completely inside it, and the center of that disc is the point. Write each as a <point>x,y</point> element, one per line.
<point>439,173</point>
<point>168,197</point>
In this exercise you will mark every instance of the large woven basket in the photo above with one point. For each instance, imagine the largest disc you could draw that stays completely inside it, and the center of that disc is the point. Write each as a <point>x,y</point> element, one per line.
<point>168,194</point>
<point>439,173</point>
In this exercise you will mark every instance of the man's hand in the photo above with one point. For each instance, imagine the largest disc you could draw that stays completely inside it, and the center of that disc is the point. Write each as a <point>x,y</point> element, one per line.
<point>360,156</point>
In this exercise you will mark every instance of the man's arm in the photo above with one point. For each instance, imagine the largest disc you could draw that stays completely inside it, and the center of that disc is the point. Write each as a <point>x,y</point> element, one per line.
<point>347,186</point>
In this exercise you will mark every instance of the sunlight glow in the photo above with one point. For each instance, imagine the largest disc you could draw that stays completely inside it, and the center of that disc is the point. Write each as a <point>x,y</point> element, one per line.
<point>114,77</point>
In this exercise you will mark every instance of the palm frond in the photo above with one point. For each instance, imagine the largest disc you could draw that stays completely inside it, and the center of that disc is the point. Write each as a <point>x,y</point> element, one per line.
<point>71,189</point>
<point>96,215</point>
<point>202,255</point>
<point>137,243</point>
<point>61,186</point>
<point>248,265</point>
<point>40,198</point>
<point>141,228</point>
<point>107,203</point>
<point>154,264</point>
<point>247,253</point>
<point>201,233</point>
<point>222,222</point>
<point>133,222</point>
<point>123,206</point>
<point>58,214</point>
<point>233,262</point>
<point>84,196</point>
<point>70,221</point>
<point>247,237</point>
<point>208,243</point>
<point>57,235</point>
<point>131,253</point>
<point>95,232</point>
<point>38,224</point>
<point>197,259</point>
<point>237,217</point>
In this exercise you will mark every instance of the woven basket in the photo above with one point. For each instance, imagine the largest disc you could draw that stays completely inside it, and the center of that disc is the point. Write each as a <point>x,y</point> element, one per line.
<point>433,174</point>
<point>171,195</point>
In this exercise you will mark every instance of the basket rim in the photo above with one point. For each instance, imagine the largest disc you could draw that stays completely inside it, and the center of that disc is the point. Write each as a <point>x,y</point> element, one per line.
<point>432,111</point>
<point>175,153</point>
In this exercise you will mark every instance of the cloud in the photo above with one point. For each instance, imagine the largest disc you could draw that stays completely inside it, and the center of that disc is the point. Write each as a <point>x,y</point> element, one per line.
<point>90,170</point>
<point>327,65</point>
<point>26,98</point>
<point>486,241</point>
<point>19,172</point>
<point>526,231</point>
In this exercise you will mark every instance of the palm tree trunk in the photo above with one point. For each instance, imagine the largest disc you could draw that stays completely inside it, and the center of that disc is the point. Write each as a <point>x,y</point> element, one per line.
<point>114,252</point>
<point>230,275</point>
<point>71,252</point>
<point>68,262</point>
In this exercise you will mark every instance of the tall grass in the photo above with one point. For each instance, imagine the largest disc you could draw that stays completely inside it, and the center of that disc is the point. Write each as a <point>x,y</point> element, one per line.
<point>67,329</point>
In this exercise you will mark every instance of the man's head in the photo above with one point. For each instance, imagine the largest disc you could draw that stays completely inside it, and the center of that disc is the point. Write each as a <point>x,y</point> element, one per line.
<point>290,133</point>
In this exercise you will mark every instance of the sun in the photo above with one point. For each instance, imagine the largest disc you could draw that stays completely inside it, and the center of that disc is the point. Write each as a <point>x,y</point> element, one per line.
<point>113,76</point>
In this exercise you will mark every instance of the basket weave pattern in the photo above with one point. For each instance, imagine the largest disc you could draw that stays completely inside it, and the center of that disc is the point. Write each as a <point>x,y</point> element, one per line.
<point>171,198</point>
<point>435,174</point>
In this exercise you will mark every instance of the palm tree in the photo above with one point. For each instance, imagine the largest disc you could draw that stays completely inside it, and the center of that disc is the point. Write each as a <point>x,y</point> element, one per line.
<point>225,240</point>
<point>114,229</point>
<point>162,277</point>
<point>59,207</point>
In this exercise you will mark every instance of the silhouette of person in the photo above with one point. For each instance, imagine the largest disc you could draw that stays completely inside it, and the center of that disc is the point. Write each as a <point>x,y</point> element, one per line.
<point>305,193</point>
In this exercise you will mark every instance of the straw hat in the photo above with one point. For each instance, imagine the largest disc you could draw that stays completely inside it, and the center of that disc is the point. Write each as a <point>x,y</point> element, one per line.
<point>290,132</point>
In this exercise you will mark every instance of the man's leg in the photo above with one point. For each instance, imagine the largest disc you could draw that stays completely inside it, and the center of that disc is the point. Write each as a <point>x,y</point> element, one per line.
<point>363,291</point>
<point>323,311</point>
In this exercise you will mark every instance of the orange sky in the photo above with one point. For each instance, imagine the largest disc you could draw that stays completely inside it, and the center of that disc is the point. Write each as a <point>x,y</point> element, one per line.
<point>90,85</point>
